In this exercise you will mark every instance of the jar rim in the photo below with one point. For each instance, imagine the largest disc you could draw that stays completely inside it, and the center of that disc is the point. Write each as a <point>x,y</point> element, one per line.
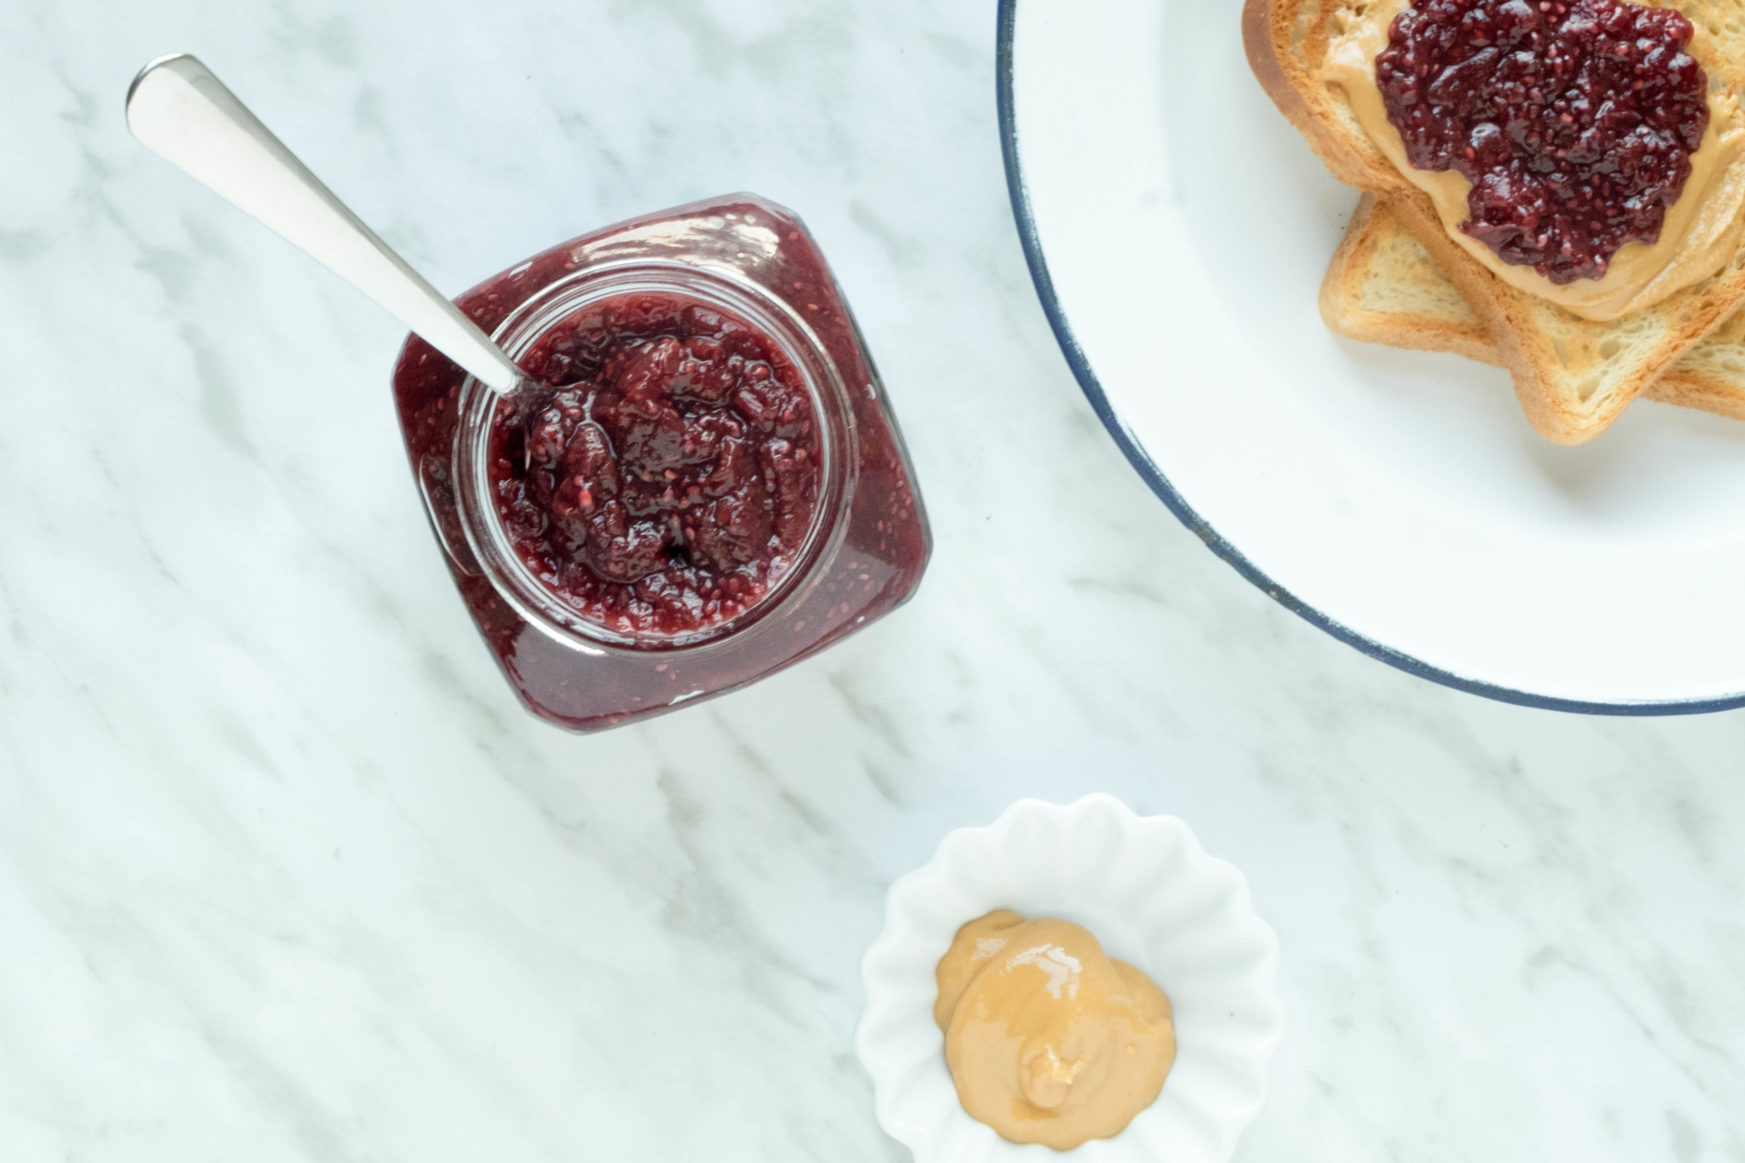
<point>482,522</point>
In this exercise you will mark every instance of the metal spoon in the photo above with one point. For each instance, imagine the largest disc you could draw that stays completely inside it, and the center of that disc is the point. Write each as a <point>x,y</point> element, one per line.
<point>185,114</point>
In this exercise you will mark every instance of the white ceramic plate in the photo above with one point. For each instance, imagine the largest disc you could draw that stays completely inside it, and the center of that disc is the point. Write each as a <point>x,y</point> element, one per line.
<point>1152,897</point>
<point>1177,228</point>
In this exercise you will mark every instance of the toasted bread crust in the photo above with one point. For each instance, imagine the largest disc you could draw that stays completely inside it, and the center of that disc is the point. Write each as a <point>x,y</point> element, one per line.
<point>1697,392</point>
<point>1573,376</point>
<point>1343,307</point>
<point>1267,33</point>
<point>1371,293</point>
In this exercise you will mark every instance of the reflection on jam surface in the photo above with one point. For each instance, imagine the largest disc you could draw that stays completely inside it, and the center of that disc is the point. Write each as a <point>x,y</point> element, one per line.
<point>668,477</point>
<point>1574,120</point>
<point>872,551</point>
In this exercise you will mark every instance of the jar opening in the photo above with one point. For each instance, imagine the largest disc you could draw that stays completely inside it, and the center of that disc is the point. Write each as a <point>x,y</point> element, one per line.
<point>826,453</point>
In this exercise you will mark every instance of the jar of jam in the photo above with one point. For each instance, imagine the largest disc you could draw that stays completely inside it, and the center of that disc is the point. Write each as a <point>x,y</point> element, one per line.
<point>707,486</point>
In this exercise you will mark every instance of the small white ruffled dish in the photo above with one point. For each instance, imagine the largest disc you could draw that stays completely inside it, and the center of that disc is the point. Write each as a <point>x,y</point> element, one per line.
<point>1149,893</point>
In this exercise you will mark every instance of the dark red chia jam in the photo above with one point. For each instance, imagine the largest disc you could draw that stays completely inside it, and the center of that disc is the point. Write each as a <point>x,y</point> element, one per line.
<point>668,476</point>
<point>700,494</point>
<point>1574,120</point>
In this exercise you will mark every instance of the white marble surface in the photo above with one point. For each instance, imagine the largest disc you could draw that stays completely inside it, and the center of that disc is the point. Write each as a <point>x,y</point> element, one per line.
<point>285,874</point>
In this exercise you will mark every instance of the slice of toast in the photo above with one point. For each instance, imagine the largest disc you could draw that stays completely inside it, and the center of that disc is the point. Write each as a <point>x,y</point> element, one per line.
<point>1573,376</point>
<point>1383,287</point>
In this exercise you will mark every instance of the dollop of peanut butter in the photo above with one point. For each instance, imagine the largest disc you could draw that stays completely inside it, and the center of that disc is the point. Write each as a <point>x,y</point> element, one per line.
<point>1049,1039</point>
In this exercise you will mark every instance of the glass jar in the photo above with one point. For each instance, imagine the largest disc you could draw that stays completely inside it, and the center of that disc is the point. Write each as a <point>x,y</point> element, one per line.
<point>867,541</point>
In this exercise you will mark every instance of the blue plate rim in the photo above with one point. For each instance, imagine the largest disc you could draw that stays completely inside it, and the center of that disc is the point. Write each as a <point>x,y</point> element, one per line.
<point>1154,476</point>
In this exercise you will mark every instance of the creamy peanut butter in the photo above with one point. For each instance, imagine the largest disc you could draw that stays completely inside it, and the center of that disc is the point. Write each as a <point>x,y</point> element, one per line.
<point>1049,1040</point>
<point>1702,229</point>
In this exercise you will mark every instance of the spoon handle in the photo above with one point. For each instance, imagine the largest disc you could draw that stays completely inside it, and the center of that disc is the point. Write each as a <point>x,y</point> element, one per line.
<point>184,113</point>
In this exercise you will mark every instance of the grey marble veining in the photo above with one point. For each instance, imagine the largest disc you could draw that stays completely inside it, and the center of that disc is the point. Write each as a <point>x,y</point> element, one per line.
<point>285,874</point>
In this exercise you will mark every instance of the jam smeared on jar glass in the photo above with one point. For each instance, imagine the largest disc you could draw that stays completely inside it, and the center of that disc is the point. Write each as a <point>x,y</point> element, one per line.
<point>1574,120</point>
<point>667,480</point>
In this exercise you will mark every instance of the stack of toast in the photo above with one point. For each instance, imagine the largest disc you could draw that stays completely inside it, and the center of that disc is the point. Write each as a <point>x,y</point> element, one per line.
<point>1383,287</point>
<point>1399,278</point>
